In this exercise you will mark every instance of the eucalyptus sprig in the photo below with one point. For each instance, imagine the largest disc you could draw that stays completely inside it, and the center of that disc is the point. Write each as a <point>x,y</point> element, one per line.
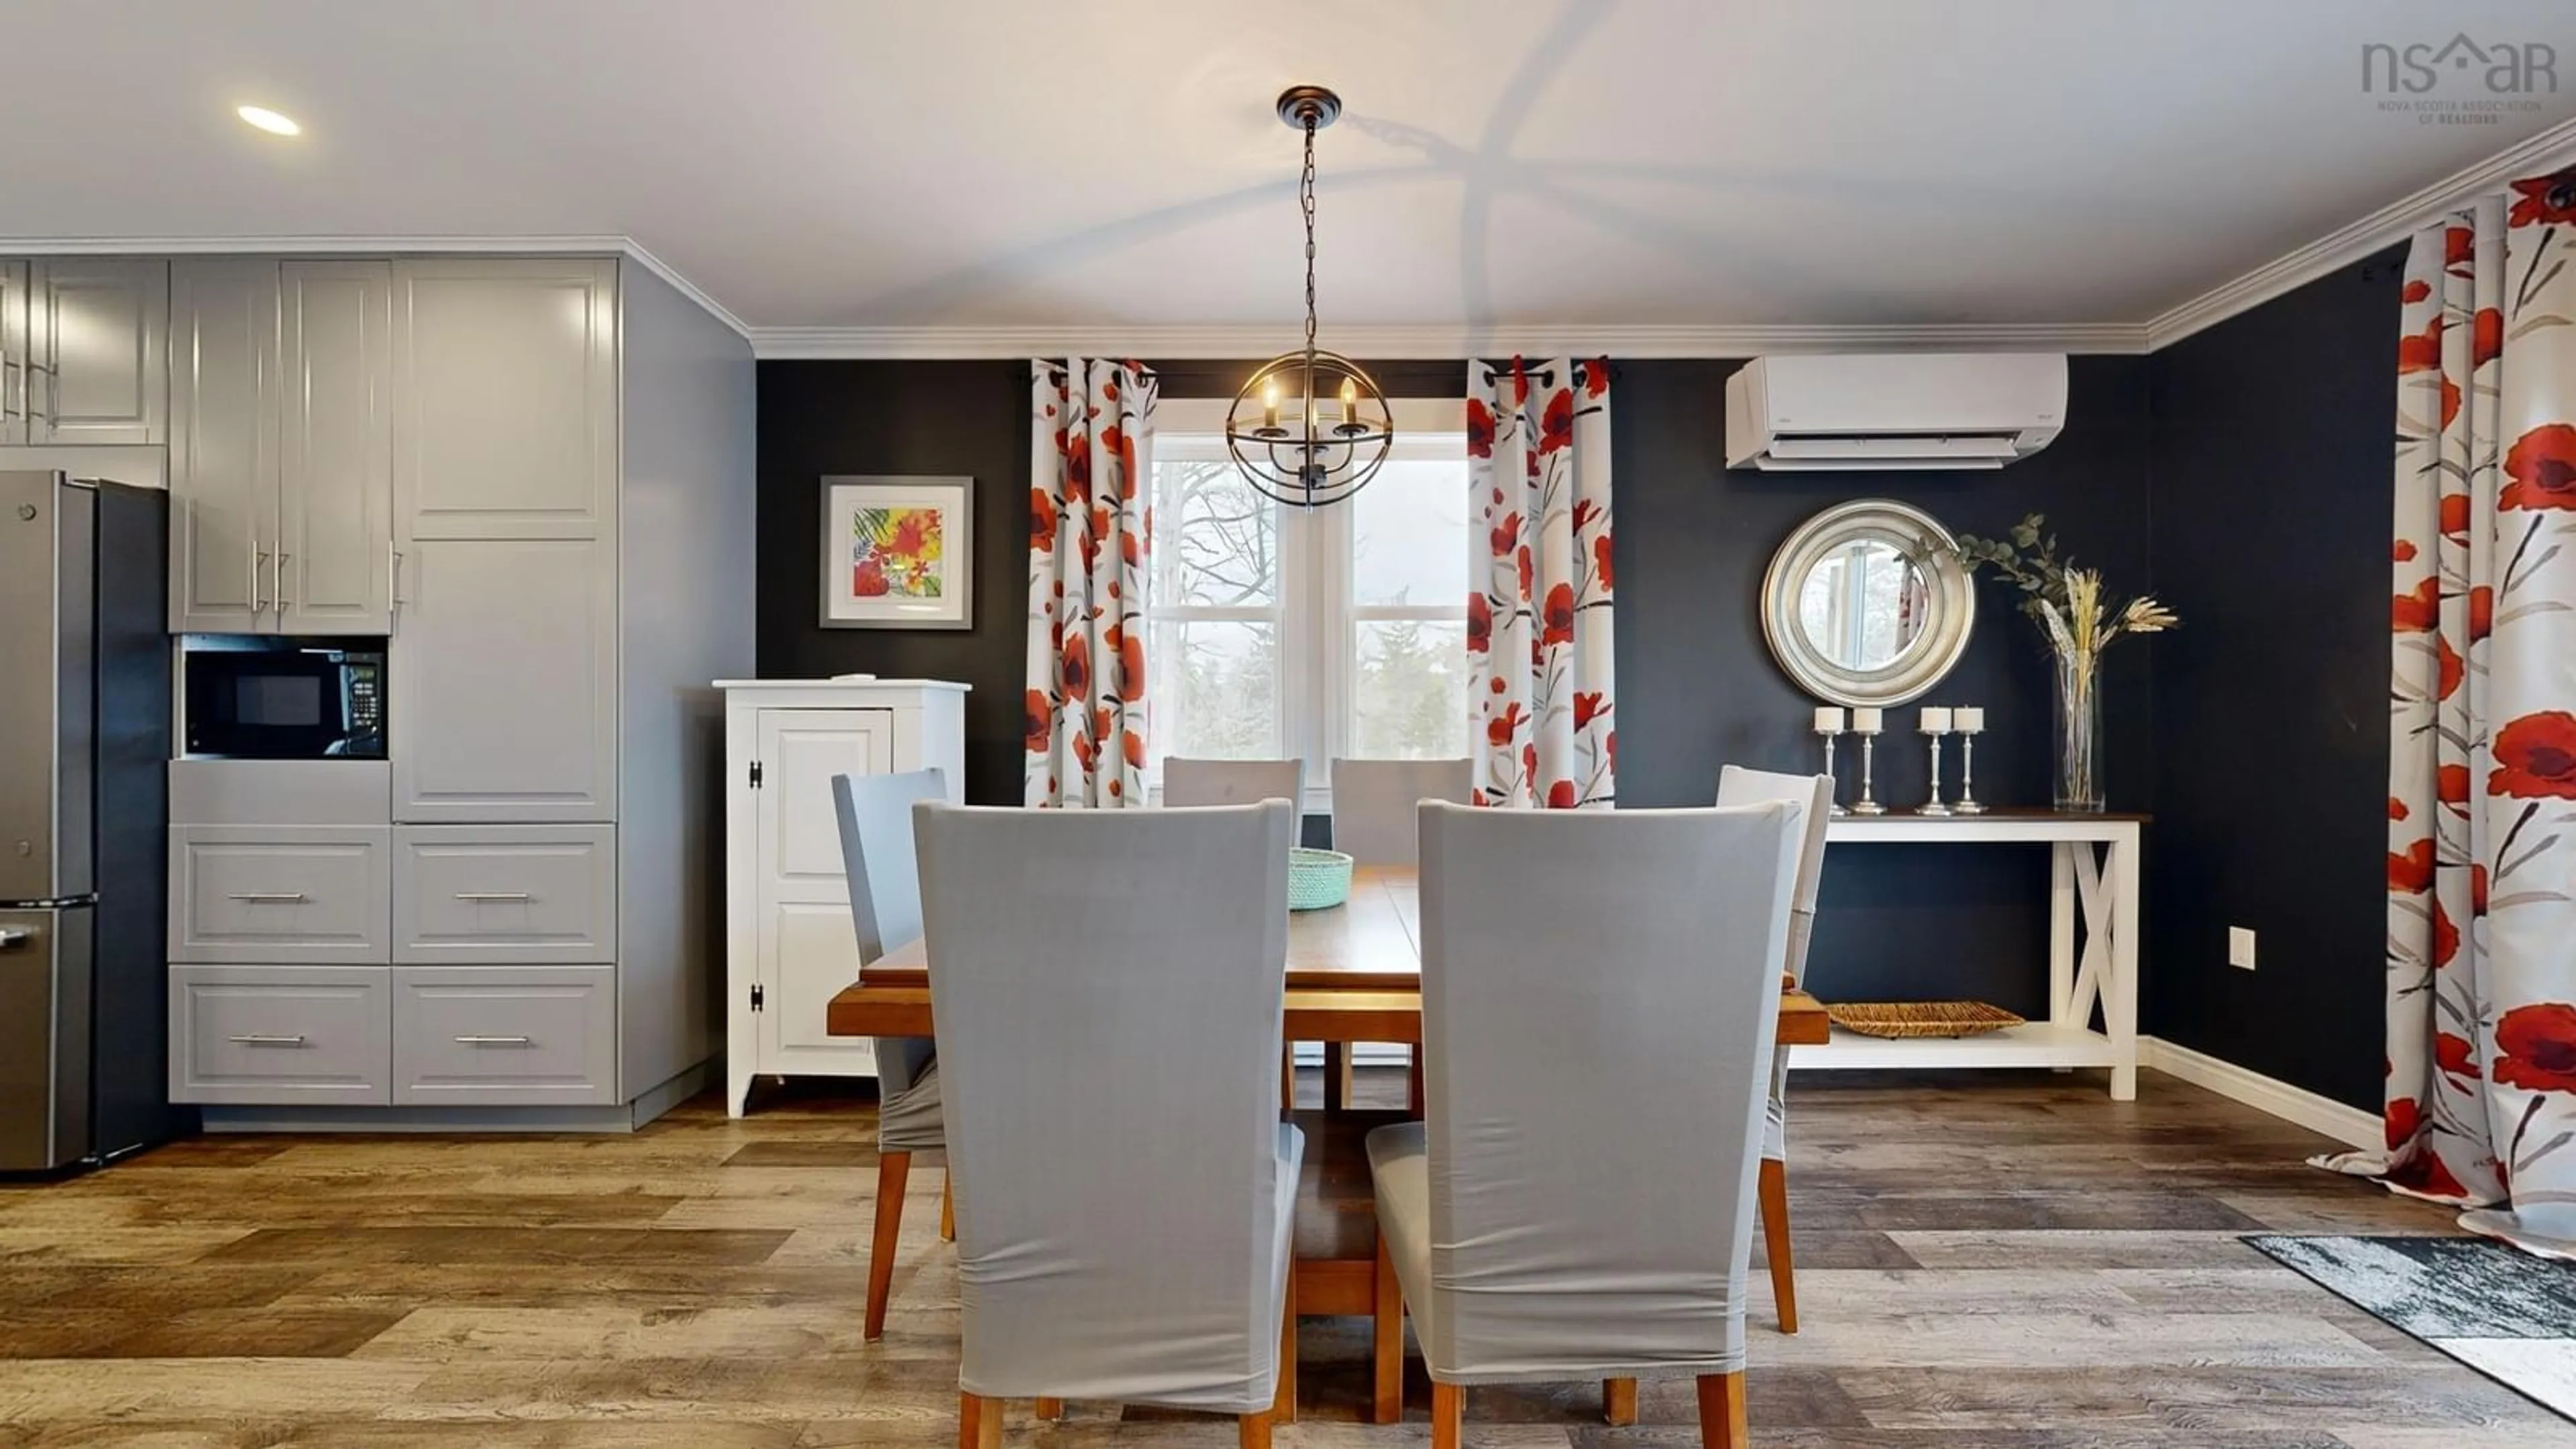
<point>2066,601</point>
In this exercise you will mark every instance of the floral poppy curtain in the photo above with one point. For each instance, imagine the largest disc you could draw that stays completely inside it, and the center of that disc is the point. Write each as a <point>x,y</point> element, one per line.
<point>1091,529</point>
<point>2481,1102</point>
<point>1538,606</point>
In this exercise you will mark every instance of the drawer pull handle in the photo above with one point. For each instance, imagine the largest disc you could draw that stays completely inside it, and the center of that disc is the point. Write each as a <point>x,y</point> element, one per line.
<point>519,896</point>
<point>494,1041</point>
<point>289,897</point>
<point>13,937</point>
<point>255,1039</point>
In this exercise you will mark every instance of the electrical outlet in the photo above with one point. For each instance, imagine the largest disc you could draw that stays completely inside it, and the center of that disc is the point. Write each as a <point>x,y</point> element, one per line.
<point>2240,948</point>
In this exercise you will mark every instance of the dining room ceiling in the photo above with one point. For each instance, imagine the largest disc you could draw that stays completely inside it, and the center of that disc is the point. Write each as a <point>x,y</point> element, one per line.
<point>848,163</point>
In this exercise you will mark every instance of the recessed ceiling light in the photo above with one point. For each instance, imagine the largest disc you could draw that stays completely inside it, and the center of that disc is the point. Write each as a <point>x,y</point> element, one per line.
<point>269,121</point>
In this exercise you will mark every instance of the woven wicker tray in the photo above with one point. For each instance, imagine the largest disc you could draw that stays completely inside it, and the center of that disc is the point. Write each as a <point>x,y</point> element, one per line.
<point>1920,1018</point>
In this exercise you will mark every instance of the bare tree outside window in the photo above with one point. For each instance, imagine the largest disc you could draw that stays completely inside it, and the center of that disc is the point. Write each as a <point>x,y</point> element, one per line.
<point>1278,631</point>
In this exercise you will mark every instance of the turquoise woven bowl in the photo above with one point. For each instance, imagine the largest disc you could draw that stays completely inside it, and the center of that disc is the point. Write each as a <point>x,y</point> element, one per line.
<point>1317,879</point>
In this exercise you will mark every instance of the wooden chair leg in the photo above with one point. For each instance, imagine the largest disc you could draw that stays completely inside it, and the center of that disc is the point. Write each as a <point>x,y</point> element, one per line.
<point>1448,1415</point>
<point>979,1422</point>
<point>1775,1242</point>
<point>1283,1399</point>
<point>1252,1431</point>
<point>1387,1330</point>
<point>1721,1411</point>
<point>1287,1078</point>
<point>1413,1082</point>
<point>1619,1402</point>
<point>893,1168</point>
<point>948,1208</point>
<point>1050,1409</point>
<point>1337,1075</point>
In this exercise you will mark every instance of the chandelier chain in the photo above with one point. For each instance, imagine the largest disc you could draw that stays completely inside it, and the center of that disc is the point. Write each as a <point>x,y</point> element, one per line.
<point>1306,201</point>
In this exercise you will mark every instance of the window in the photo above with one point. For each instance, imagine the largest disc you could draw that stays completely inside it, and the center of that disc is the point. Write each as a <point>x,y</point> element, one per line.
<point>1281,631</point>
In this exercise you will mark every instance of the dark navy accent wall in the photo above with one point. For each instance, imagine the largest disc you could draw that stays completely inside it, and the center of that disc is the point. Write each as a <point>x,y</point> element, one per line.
<point>1697,687</point>
<point>2271,526</point>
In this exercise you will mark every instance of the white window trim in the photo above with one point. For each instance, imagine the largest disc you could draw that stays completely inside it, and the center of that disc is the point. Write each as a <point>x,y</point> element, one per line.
<point>1314,554</point>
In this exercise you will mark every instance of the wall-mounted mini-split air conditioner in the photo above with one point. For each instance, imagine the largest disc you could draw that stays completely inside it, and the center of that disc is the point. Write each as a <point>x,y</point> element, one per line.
<point>1895,410</point>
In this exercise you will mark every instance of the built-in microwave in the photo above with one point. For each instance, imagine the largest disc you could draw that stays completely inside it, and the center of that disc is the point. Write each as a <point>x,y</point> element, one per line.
<point>277,698</point>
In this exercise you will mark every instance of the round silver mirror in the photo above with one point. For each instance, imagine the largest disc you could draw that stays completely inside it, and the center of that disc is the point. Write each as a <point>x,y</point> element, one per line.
<point>1867,603</point>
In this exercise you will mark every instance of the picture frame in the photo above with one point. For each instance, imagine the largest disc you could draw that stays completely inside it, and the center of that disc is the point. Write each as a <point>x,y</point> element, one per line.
<point>898,552</point>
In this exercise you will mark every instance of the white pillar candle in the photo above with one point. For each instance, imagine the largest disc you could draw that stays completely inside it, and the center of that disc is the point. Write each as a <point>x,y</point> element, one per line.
<point>1865,720</point>
<point>1936,721</point>
<point>1829,719</point>
<point>1968,719</point>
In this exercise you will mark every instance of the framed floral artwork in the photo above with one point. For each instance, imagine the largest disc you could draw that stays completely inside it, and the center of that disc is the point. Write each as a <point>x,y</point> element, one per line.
<point>898,553</point>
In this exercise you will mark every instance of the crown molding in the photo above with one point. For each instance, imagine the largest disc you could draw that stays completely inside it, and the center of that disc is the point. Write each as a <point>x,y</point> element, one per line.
<point>2546,151</point>
<point>524,246</point>
<point>1439,340</point>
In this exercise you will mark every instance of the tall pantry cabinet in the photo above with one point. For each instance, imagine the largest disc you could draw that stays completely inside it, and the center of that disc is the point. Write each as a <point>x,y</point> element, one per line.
<point>532,478</point>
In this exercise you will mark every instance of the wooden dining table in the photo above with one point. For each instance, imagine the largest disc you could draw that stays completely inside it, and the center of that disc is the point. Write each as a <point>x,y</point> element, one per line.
<point>1354,975</point>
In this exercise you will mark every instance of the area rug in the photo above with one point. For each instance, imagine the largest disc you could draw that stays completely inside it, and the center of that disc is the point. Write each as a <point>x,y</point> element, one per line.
<point>2505,1313</point>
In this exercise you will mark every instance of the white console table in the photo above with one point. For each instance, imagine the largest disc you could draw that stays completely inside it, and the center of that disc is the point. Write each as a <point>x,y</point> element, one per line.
<point>2099,891</point>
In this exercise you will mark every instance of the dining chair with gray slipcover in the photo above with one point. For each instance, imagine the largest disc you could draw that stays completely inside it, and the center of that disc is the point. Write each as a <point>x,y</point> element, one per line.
<point>1737,785</point>
<point>1375,823</point>
<point>875,812</point>
<point>1374,820</point>
<point>1233,782</point>
<point>1109,992</point>
<point>1600,998</point>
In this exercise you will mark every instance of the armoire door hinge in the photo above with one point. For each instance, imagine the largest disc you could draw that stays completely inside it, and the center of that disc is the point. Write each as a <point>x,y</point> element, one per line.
<point>755,774</point>
<point>755,996</point>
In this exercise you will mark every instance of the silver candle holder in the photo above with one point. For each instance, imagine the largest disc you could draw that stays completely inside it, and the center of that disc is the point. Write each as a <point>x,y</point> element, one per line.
<point>1970,723</point>
<point>1865,723</point>
<point>1829,723</point>
<point>1936,723</point>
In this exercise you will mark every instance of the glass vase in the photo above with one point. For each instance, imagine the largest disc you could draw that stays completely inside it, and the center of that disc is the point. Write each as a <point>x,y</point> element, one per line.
<point>2079,732</point>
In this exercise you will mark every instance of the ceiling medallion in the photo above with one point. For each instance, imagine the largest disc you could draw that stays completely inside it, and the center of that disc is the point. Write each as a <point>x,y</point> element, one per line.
<point>1310,427</point>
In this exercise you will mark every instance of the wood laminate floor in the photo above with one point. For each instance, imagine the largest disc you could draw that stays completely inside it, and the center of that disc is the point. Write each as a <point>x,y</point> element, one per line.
<point>2011,1260</point>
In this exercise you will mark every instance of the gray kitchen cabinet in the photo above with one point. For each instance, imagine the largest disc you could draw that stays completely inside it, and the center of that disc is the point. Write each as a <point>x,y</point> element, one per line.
<point>505,894</point>
<point>280,894</point>
<point>281,472</point>
<point>506,398</point>
<point>504,694</point>
<point>304,1035</point>
<point>504,1036</point>
<point>223,444</point>
<point>335,448</point>
<point>89,347</point>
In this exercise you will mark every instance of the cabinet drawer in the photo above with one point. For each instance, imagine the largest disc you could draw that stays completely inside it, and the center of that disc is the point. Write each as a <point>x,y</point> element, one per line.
<point>281,1034</point>
<point>505,1035</point>
<point>276,894</point>
<point>524,895</point>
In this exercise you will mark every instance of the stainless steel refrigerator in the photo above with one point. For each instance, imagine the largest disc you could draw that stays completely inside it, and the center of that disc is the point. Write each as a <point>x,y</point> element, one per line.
<point>84,771</point>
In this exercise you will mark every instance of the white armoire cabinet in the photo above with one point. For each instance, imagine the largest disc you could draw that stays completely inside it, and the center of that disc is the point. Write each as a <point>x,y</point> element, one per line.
<point>789,945</point>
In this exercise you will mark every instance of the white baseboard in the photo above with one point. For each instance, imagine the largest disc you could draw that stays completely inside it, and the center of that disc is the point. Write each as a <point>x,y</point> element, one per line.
<point>2349,1125</point>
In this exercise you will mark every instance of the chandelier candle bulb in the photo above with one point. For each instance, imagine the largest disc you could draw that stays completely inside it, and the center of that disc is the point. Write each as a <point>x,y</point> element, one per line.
<point>1936,721</point>
<point>1270,405</point>
<point>1968,719</point>
<point>1829,719</point>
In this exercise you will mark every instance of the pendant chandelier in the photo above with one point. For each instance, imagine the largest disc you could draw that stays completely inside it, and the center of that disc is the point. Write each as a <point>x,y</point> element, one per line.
<point>1310,427</point>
